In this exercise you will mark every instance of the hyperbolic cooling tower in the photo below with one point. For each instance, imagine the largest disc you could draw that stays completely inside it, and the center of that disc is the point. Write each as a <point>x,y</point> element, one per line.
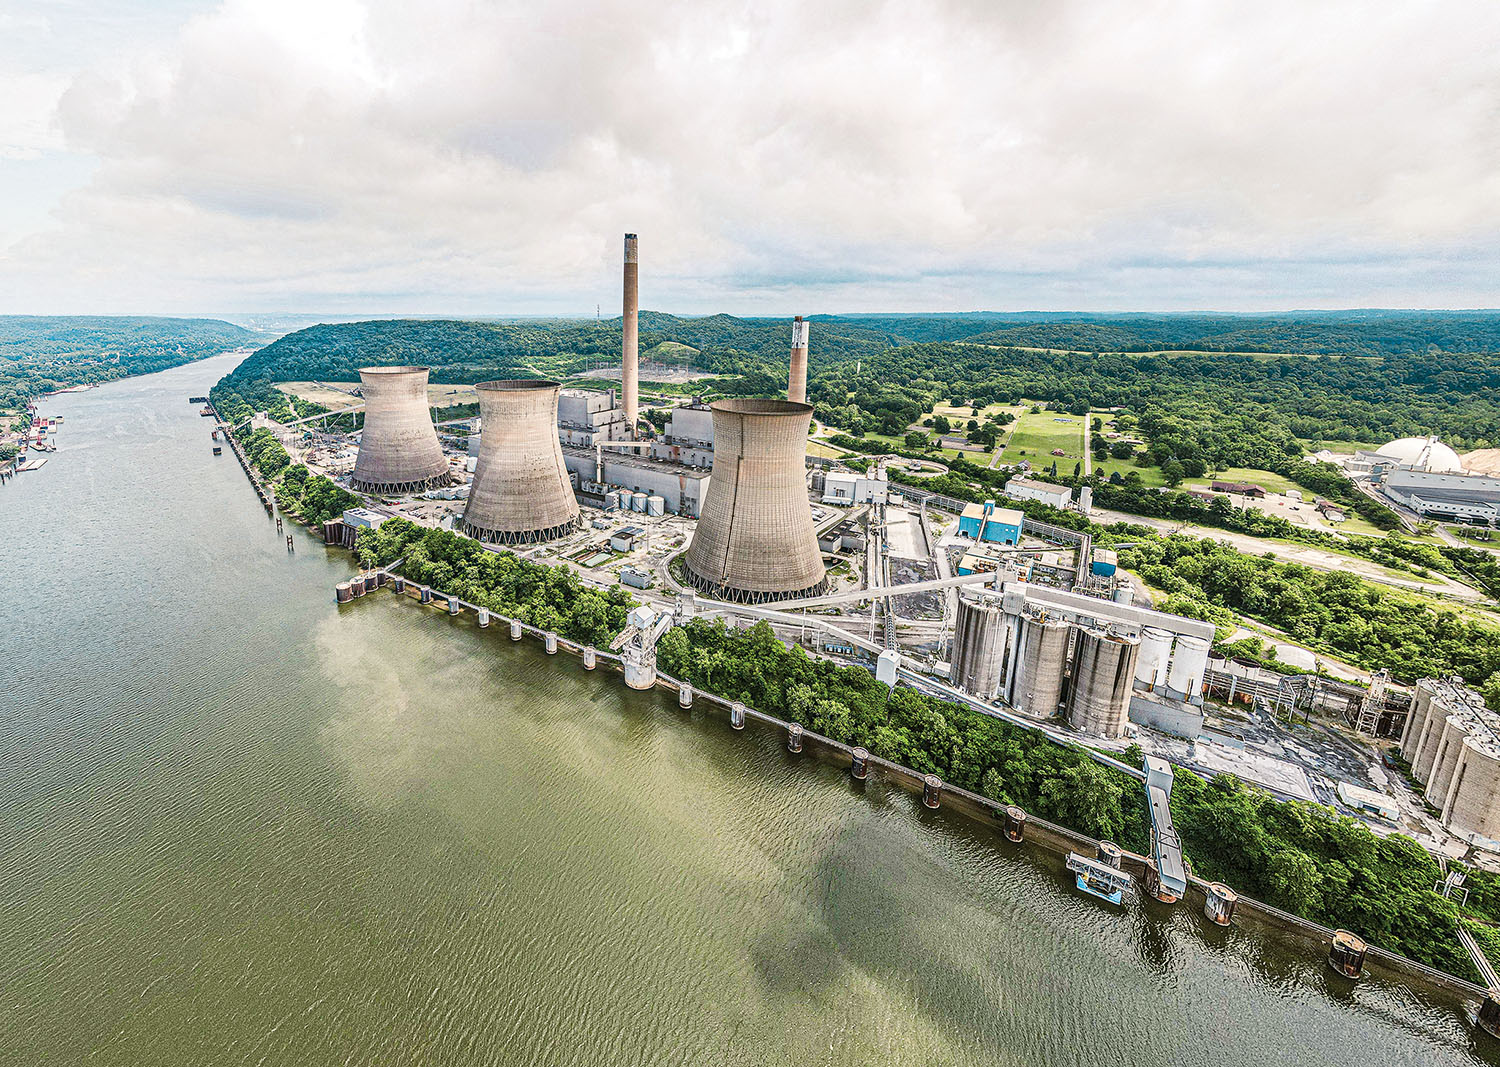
<point>521,492</point>
<point>398,449</point>
<point>796,387</point>
<point>755,540</point>
<point>630,347</point>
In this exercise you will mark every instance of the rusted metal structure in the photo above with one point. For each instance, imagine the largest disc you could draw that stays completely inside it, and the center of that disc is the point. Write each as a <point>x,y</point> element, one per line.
<point>398,448</point>
<point>521,493</point>
<point>755,540</point>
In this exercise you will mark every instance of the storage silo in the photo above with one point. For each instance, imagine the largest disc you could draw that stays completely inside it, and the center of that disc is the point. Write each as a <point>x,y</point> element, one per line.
<point>521,492</point>
<point>1042,664</point>
<point>398,447</point>
<point>979,646</point>
<point>656,505</point>
<point>1104,666</point>
<point>1472,798</point>
<point>1425,751</point>
<point>1189,662</point>
<point>1155,654</point>
<point>755,540</point>
<point>638,502</point>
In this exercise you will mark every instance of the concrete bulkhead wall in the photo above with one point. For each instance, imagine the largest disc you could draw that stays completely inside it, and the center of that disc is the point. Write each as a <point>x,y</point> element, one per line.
<point>398,448</point>
<point>521,491</point>
<point>755,540</point>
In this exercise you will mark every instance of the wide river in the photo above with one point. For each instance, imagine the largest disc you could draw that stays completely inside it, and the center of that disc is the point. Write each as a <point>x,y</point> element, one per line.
<point>242,825</point>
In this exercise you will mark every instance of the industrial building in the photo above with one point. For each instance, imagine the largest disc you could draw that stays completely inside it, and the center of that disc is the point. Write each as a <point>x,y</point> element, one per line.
<point>1408,454</point>
<point>1040,649</point>
<point>852,487</point>
<point>688,438</point>
<point>682,489</point>
<point>398,448</point>
<point>587,416</point>
<point>1058,496</point>
<point>755,540</point>
<point>1472,498</point>
<point>1452,741</point>
<point>521,493</point>
<point>992,525</point>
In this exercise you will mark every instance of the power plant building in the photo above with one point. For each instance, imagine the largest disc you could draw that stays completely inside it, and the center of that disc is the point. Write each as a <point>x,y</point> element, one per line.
<point>585,416</point>
<point>755,540</point>
<point>398,448</point>
<point>521,492</point>
<point>1452,741</point>
<point>688,438</point>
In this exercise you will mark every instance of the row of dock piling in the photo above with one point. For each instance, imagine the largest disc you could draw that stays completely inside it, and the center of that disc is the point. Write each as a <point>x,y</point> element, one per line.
<point>1346,953</point>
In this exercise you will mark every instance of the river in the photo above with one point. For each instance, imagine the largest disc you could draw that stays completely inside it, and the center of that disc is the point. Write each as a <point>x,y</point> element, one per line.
<point>242,825</point>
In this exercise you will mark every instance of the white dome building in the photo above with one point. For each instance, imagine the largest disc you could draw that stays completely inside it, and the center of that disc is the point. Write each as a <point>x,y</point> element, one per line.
<point>1423,454</point>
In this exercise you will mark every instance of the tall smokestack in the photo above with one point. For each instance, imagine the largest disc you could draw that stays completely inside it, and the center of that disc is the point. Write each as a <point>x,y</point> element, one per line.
<point>796,386</point>
<point>630,353</point>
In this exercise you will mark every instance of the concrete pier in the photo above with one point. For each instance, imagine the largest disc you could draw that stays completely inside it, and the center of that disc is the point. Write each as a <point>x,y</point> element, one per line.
<point>794,737</point>
<point>1218,904</point>
<point>426,595</point>
<point>484,617</point>
<point>515,629</point>
<point>551,644</point>
<point>590,658</point>
<point>1014,823</point>
<point>1346,954</point>
<point>684,696</point>
<point>453,605</point>
<point>860,767</point>
<point>932,791</point>
<point>737,715</point>
<point>343,592</point>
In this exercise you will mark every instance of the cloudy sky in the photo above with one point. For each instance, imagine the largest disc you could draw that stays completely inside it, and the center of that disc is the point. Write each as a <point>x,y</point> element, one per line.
<point>473,157</point>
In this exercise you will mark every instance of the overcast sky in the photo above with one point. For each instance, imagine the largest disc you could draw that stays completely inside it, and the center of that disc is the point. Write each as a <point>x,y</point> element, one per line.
<point>776,157</point>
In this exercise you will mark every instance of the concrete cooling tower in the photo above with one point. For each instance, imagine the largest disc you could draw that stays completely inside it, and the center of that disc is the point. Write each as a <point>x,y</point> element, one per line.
<point>398,449</point>
<point>755,540</point>
<point>521,492</point>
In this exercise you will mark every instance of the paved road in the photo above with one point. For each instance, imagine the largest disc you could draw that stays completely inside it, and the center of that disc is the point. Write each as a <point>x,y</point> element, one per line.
<point>1317,558</point>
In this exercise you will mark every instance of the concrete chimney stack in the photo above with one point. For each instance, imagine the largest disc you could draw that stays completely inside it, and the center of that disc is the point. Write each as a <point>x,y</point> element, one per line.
<point>630,354</point>
<point>796,387</point>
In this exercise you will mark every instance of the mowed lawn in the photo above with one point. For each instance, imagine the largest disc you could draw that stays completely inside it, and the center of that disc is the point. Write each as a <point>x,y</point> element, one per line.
<point>1036,435</point>
<point>1271,483</point>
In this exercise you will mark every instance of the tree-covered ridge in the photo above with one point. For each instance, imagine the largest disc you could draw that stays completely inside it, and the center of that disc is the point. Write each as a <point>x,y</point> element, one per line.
<point>41,354</point>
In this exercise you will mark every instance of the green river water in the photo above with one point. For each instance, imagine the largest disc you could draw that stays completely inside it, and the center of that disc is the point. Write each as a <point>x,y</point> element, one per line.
<point>242,825</point>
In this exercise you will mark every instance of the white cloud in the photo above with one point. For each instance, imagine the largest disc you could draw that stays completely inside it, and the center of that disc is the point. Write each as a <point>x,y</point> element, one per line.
<point>453,156</point>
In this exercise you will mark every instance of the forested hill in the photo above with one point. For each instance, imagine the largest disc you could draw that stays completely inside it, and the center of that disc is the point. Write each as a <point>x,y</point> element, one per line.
<point>39,354</point>
<point>466,351</point>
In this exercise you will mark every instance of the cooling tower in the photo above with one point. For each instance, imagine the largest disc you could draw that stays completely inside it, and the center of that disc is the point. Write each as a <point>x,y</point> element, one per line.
<point>630,349</point>
<point>398,449</point>
<point>1103,671</point>
<point>979,647</point>
<point>521,492</point>
<point>796,386</point>
<point>755,539</point>
<point>1043,662</point>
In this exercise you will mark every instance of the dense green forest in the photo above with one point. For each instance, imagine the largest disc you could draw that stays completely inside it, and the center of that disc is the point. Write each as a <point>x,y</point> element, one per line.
<point>1299,856</point>
<point>43,354</point>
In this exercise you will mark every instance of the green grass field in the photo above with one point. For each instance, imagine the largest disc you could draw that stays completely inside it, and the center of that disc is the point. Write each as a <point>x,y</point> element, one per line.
<point>1150,476</point>
<point>1271,483</point>
<point>1035,436</point>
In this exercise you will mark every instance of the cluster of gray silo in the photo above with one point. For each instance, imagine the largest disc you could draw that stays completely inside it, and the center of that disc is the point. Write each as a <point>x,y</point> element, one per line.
<point>1043,661</point>
<point>398,448</point>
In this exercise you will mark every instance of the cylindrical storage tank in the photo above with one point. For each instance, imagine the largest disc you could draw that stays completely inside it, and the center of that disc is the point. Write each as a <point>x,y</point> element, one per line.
<point>737,716</point>
<point>755,540</point>
<point>1042,665</point>
<point>684,696</point>
<point>794,737</point>
<point>551,642</point>
<point>1189,661</point>
<point>1347,954</point>
<point>979,647</point>
<point>426,595</point>
<point>1155,654</point>
<point>521,493</point>
<point>343,592</point>
<point>932,790</point>
<point>1109,854</point>
<point>1470,806</point>
<point>1218,904</point>
<point>452,605</point>
<point>859,767</point>
<point>398,448</point>
<point>1014,823</point>
<point>484,617</point>
<point>638,502</point>
<point>1425,748</point>
<point>1103,673</point>
<point>1122,595</point>
<point>1450,747</point>
<point>1421,700</point>
<point>656,505</point>
<point>590,658</point>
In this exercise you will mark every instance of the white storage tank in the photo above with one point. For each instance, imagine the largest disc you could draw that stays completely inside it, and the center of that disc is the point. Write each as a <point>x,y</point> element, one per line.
<point>1189,661</point>
<point>638,502</point>
<point>1156,652</point>
<point>656,505</point>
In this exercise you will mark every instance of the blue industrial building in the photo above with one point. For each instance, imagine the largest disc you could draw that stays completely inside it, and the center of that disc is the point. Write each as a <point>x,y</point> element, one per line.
<point>991,525</point>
